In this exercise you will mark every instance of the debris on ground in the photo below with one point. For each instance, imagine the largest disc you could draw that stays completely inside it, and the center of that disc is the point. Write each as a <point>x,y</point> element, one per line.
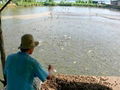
<point>75,82</point>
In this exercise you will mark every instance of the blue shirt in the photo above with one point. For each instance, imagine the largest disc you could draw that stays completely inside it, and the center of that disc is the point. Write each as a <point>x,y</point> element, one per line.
<point>20,70</point>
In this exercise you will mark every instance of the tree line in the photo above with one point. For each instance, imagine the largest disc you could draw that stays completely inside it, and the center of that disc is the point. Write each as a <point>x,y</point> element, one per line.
<point>14,1</point>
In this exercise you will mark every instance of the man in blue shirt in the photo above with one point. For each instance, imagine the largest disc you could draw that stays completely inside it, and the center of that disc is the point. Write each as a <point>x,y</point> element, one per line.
<point>21,68</point>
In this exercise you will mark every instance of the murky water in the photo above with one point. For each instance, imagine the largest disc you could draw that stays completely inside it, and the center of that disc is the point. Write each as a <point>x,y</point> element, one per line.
<point>76,40</point>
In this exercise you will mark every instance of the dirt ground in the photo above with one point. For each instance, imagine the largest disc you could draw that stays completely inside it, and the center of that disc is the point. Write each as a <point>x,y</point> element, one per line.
<point>75,82</point>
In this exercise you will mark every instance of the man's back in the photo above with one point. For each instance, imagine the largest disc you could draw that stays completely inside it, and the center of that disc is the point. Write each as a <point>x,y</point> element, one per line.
<point>20,70</point>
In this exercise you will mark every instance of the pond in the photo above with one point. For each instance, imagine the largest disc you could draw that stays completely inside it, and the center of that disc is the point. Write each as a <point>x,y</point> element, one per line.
<point>75,40</point>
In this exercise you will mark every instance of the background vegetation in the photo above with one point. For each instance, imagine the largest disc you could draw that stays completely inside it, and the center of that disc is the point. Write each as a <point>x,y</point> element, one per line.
<point>51,3</point>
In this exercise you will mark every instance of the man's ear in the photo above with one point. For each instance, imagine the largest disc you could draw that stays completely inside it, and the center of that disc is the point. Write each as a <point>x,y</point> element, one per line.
<point>31,51</point>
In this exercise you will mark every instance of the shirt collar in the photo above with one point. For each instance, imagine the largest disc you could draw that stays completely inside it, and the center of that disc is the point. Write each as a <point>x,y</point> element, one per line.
<point>24,53</point>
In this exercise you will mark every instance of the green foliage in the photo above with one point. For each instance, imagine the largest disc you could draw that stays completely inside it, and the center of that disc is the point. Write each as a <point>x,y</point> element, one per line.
<point>47,3</point>
<point>15,1</point>
<point>1,5</point>
<point>50,3</point>
<point>65,4</point>
<point>80,1</point>
<point>29,4</point>
<point>87,3</point>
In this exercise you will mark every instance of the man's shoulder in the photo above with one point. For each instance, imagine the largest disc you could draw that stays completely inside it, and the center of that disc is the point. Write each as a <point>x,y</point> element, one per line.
<point>11,55</point>
<point>34,61</point>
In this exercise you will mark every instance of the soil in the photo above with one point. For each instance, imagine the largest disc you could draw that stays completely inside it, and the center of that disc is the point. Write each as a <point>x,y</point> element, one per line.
<point>75,82</point>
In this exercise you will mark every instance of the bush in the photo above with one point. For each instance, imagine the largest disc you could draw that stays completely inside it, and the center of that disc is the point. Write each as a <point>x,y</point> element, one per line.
<point>1,5</point>
<point>65,4</point>
<point>50,3</point>
<point>62,3</point>
<point>29,3</point>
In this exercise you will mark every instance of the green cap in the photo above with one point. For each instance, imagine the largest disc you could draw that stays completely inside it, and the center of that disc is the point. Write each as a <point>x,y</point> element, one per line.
<point>27,42</point>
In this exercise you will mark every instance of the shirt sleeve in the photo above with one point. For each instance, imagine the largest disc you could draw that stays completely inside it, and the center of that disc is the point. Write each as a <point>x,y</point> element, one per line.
<point>40,72</point>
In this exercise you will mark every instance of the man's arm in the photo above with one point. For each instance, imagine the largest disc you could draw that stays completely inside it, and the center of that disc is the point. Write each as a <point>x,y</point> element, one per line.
<point>50,71</point>
<point>39,71</point>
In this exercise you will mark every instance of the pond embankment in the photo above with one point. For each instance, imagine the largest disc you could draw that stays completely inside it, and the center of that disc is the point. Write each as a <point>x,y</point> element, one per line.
<point>81,4</point>
<point>75,82</point>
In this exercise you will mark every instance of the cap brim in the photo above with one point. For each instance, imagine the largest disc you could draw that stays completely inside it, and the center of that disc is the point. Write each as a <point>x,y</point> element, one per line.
<point>36,43</point>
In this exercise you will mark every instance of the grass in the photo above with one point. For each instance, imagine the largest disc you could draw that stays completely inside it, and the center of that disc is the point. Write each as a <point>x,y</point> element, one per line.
<point>55,4</point>
<point>77,4</point>
<point>25,4</point>
<point>50,4</point>
<point>1,5</point>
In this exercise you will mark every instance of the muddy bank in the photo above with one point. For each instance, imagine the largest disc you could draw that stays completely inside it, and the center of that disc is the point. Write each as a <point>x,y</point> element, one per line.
<point>75,82</point>
<point>26,17</point>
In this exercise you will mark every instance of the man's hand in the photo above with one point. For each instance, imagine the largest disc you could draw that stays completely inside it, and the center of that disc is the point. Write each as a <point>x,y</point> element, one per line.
<point>50,68</point>
<point>50,71</point>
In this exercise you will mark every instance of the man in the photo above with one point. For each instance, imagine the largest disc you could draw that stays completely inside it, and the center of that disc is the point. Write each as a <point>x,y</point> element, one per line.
<point>21,68</point>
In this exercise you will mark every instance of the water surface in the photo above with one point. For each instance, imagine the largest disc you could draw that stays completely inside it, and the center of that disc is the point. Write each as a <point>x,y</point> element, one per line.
<point>76,40</point>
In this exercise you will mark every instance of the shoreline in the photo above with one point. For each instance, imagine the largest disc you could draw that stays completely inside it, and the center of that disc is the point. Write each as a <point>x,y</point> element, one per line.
<point>31,4</point>
<point>69,82</point>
